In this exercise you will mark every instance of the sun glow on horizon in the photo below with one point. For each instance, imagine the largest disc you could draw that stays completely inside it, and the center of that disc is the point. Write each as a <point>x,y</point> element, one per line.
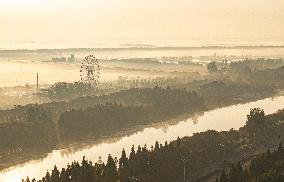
<point>148,19</point>
<point>20,4</point>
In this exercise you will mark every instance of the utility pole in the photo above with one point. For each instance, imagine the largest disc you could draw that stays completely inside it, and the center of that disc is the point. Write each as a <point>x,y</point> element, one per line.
<point>37,81</point>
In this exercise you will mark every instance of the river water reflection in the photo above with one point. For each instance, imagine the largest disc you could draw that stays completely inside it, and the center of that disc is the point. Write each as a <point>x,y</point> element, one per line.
<point>219,119</point>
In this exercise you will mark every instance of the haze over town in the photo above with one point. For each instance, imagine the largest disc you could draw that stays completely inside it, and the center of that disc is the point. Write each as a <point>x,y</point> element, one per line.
<point>141,91</point>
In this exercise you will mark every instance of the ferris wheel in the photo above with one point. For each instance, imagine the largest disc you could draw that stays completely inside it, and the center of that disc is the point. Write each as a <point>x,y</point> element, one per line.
<point>90,70</point>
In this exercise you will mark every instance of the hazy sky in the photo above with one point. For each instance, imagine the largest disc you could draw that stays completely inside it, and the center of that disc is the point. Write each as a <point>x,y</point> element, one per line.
<point>139,19</point>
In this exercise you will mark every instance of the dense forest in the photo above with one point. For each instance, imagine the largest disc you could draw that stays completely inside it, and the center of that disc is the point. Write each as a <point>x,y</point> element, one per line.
<point>268,166</point>
<point>191,158</point>
<point>30,128</point>
<point>151,105</point>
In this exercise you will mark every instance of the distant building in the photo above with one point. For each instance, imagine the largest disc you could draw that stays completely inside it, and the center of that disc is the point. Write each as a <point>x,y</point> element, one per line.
<point>64,59</point>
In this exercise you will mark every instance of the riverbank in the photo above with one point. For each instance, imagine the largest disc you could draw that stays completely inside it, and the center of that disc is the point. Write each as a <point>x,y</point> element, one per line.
<point>184,128</point>
<point>204,152</point>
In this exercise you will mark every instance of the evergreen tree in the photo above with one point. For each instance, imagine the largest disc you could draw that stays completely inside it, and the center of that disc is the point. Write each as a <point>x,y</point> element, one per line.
<point>55,175</point>
<point>157,146</point>
<point>123,167</point>
<point>110,172</point>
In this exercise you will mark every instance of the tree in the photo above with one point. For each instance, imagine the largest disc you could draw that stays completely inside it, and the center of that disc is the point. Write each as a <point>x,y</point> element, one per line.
<point>123,167</point>
<point>55,175</point>
<point>110,172</point>
<point>255,118</point>
<point>211,67</point>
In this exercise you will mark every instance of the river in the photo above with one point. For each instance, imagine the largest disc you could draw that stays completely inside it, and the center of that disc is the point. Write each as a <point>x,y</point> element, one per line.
<point>221,119</point>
